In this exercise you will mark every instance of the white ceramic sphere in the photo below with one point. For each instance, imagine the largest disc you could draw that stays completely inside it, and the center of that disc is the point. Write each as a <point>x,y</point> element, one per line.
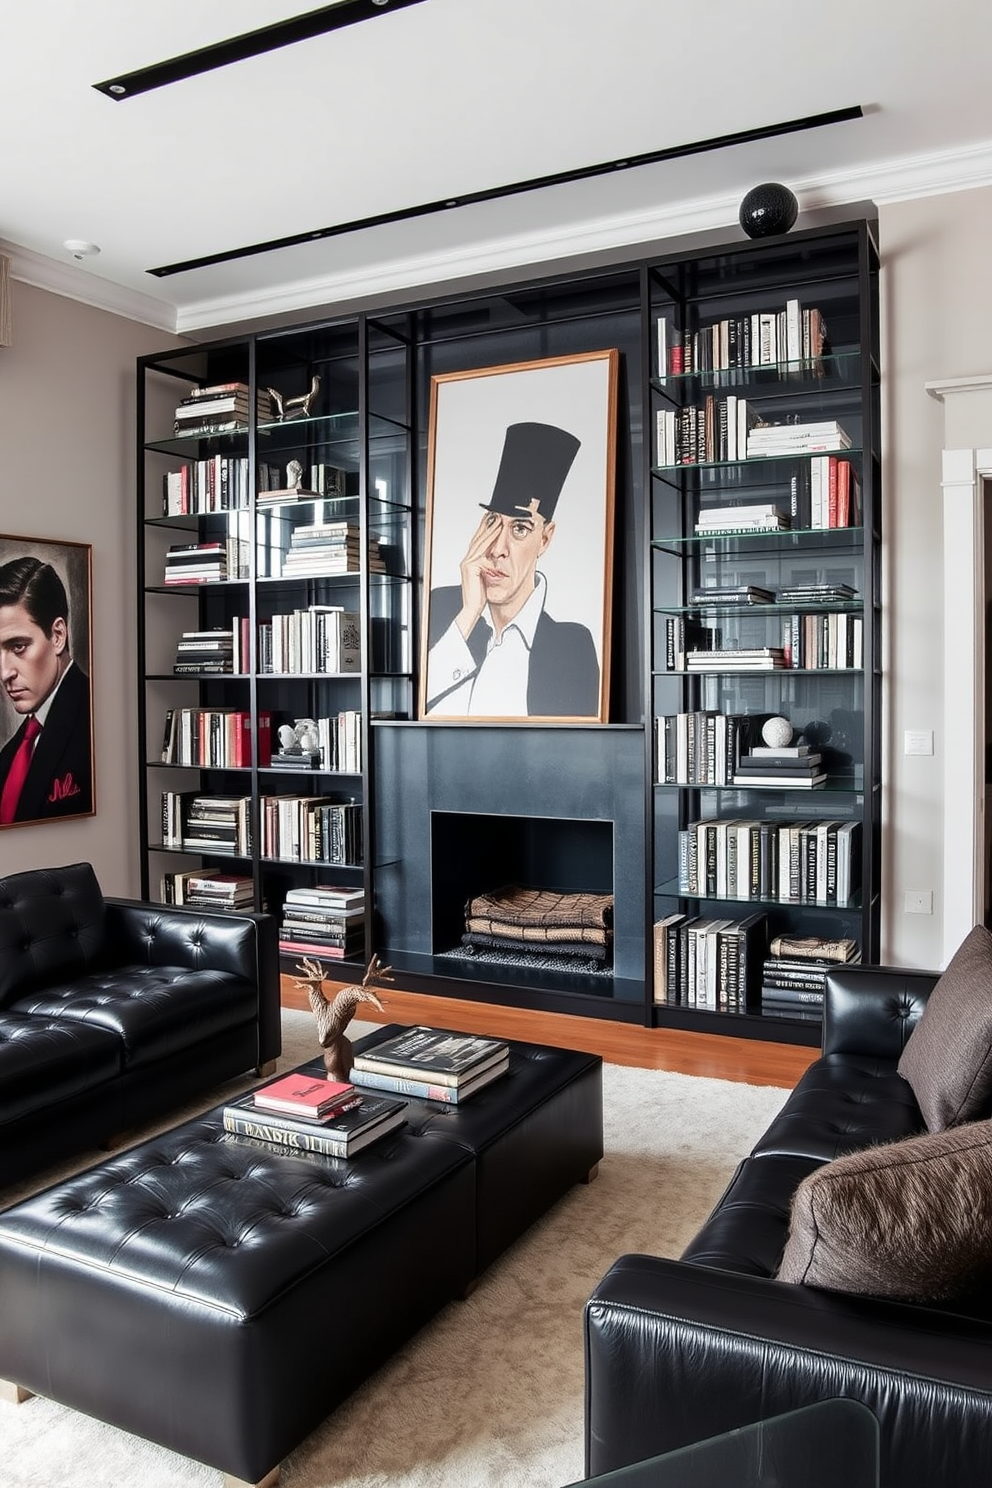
<point>777,733</point>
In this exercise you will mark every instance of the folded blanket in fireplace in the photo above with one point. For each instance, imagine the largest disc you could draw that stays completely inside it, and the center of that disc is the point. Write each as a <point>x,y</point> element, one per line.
<point>515,905</point>
<point>539,934</point>
<point>474,940</point>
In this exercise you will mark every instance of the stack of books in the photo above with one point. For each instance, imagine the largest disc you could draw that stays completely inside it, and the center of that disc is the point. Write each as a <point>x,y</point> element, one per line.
<point>323,922</point>
<point>218,409</point>
<point>206,888</point>
<point>432,1064</point>
<point>732,594</point>
<point>796,439</point>
<point>209,824</point>
<point>794,974</point>
<point>716,521</point>
<point>307,1112</point>
<point>817,594</point>
<point>204,651</point>
<point>796,766</point>
<point>745,658</point>
<point>328,548</point>
<point>207,562</point>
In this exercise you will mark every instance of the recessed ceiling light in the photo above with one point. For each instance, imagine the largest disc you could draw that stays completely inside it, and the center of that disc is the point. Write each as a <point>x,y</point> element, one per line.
<point>79,248</point>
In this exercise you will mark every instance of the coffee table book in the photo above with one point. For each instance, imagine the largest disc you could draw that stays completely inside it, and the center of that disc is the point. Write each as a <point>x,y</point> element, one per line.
<point>340,1135</point>
<point>305,1094</point>
<point>432,1054</point>
<point>426,1088</point>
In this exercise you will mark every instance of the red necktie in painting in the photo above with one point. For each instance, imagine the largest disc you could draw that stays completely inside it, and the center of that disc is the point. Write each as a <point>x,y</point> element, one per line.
<point>19,767</point>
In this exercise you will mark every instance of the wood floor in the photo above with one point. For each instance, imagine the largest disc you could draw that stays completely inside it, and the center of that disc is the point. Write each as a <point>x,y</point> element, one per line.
<point>714,1055</point>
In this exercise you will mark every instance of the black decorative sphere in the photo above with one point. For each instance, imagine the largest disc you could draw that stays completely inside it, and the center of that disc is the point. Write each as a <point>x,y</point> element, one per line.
<point>768,209</point>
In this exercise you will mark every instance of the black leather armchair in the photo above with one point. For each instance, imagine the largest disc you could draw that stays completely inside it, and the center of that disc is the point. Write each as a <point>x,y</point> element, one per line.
<point>681,1350</point>
<point>114,1012</point>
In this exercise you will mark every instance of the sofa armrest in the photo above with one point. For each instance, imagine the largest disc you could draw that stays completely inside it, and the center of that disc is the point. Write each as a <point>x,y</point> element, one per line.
<point>872,1010</point>
<point>676,1354</point>
<point>246,945</point>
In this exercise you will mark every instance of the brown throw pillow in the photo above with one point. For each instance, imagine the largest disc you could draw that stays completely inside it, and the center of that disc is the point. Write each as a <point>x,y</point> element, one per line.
<point>948,1056</point>
<point>910,1219</point>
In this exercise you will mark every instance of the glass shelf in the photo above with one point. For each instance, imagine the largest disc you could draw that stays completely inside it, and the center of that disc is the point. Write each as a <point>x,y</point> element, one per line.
<point>752,460</point>
<point>835,538</point>
<point>339,430</point>
<point>731,671</point>
<point>670,890</point>
<point>778,607</point>
<point>833,785</point>
<point>268,770</point>
<point>838,372</point>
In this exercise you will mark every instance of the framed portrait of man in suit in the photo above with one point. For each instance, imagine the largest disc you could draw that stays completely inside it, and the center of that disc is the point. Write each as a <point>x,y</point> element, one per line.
<point>46,701</point>
<point>519,552</point>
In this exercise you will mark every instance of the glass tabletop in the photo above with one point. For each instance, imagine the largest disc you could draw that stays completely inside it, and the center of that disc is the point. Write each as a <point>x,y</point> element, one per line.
<point>818,1446</point>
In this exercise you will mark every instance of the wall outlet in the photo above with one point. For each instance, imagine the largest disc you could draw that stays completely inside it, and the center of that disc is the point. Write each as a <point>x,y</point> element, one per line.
<point>918,741</point>
<point>919,901</point>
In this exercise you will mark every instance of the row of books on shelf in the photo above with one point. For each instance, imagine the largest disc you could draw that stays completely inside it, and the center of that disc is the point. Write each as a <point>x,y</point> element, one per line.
<point>321,638</point>
<point>729,428</point>
<point>313,552</point>
<point>214,738</point>
<point>303,829</point>
<point>311,829</point>
<point>207,888</point>
<point>221,739</point>
<point>219,408</point>
<point>325,639</point>
<point>793,862</point>
<point>811,641</point>
<point>702,747</point>
<point>220,483</point>
<point>795,335</point>
<point>824,495</point>
<point>729,966</point>
<point>322,921</point>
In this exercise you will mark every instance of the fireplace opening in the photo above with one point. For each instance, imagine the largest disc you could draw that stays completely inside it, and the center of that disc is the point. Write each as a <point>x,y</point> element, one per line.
<point>474,856</point>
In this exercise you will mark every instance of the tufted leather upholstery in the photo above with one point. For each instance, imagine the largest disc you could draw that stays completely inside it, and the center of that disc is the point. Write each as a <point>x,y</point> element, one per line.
<point>679,1351</point>
<point>112,1011</point>
<point>270,1283</point>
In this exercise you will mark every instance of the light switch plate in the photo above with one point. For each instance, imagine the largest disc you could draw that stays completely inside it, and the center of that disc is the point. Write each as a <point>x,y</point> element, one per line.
<point>918,741</point>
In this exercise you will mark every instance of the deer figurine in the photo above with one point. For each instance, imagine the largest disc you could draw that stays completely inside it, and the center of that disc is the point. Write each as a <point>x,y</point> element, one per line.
<point>334,1014</point>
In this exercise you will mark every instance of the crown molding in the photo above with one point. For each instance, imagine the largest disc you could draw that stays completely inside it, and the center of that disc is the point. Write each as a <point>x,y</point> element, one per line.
<point>884,183</point>
<point>43,272</point>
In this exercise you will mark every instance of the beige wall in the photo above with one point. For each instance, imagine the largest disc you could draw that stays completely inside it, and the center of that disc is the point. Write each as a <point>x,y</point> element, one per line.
<point>67,423</point>
<point>936,323</point>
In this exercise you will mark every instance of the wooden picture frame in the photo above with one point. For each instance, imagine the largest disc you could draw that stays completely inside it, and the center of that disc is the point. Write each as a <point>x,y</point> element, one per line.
<point>519,551</point>
<point>46,690</point>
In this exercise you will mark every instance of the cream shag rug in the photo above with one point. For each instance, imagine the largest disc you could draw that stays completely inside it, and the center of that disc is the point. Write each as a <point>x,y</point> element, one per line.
<point>489,1395</point>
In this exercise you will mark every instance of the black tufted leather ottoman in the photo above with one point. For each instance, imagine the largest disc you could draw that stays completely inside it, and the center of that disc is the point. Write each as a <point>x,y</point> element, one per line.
<point>220,1296</point>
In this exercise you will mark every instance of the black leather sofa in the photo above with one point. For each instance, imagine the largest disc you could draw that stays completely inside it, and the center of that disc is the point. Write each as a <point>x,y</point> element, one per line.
<point>678,1351</point>
<point>114,1012</point>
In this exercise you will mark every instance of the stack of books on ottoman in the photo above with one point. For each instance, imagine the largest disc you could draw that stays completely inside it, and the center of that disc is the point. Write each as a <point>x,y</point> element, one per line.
<point>432,1064</point>
<point>309,1112</point>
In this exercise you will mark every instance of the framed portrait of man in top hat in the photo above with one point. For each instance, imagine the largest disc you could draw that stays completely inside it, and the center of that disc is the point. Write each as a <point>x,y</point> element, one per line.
<point>46,714</point>
<point>519,559</point>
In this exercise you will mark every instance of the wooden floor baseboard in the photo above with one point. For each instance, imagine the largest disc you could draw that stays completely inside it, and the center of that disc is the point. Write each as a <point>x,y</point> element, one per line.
<point>718,1056</point>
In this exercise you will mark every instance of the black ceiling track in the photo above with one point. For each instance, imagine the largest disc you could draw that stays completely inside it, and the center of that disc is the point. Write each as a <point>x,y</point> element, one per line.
<point>250,44</point>
<point>536,183</point>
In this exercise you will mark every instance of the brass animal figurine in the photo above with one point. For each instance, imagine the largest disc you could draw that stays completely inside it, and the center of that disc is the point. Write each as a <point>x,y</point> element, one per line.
<point>334,1015</point>
<point>298,407</point>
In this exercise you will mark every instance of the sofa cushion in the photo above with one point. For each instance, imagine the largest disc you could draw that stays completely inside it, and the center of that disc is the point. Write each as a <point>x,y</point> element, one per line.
<point>843,1103</point>
<point>747,1229</point>
<point>948,1056</point>
<point>909,1220</point>
<point>154,1011</point>
<point>44,1062</point>
<point>51,926</point>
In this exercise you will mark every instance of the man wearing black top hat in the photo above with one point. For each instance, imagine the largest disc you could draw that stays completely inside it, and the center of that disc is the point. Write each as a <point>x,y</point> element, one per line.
<point>494,651</point>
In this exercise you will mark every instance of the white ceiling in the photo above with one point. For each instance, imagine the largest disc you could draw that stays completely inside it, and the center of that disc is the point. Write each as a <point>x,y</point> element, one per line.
<point>451,96</point>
